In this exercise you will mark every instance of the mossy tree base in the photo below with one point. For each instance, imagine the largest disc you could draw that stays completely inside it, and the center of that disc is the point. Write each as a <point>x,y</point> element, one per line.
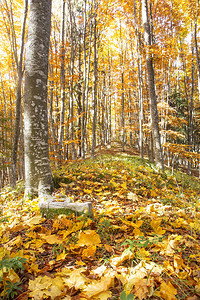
<point>50,207</point>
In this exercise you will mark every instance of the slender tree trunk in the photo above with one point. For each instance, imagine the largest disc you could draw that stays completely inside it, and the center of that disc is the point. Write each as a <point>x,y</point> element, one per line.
<point>151,87</point>
<point>79,95</point>
<point>109,99</point>
<point>18,98</point>
<point>140,80</point>
<point>123,93</point>
<point>62,80</point>
<point>197,50</point>
<point>38,177</point>
<point>94,85</point>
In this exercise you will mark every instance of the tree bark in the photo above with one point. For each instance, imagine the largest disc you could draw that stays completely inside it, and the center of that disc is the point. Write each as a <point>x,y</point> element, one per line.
<point>18,98</point>
<point>151,88</point>
<point>94,86</point>
<point>62,79</point>
<point>38,177</point>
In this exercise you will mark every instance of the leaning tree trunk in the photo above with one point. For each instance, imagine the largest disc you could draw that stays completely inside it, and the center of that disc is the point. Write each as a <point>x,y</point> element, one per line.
<point>151,87</point>
<point>38,177</point>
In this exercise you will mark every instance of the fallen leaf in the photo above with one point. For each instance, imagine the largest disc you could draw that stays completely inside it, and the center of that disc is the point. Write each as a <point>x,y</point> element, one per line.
<point>178,262</point>
<point>44,287</point>
<point>155,224</point>
<point>51,239</point>
<point>76,279</point>
<point>99,286</point>
<point>88,238</point>
<point>89,252</point>
<point>61,256</point>
<point>34,221</point>
<point>103,296</point>
<point>167,291</point>
<point>117,260</point>
<point>99,271</point>
<point>108,248</point>
<point>144,288</point>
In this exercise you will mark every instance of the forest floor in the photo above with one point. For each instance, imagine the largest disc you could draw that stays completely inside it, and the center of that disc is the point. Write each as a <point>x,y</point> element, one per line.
<point>142,243</point>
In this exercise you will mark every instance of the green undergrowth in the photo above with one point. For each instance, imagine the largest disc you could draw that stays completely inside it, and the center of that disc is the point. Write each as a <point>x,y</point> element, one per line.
<point>140,176</point>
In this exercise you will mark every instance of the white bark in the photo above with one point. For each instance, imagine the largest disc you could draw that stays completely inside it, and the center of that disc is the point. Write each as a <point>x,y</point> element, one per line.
<point>38,178</point>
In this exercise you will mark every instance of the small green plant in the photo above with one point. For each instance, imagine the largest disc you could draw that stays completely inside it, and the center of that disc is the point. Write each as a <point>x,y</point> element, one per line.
<point>123,296</point>
<point>142,242</point>
<point>14,263</point>
<point>10,289</point>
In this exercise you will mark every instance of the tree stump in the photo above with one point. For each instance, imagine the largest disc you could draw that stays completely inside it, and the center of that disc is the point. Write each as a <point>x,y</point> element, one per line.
<point>50,206</point>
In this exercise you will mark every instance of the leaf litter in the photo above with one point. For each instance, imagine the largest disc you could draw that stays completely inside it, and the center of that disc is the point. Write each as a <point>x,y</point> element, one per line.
<point>143,242</point>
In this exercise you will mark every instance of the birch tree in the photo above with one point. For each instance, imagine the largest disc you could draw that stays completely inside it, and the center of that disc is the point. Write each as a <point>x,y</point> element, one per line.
<point>38,177</point>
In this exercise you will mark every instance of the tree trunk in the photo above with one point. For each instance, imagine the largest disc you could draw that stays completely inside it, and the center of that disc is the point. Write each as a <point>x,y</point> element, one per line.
<point>62,80</point>
<point>196,48</point>
<point>18,98</point>
<point>94,87</point>
<point>151,88</point>
<point>140,80</point>
<point>38,177</point>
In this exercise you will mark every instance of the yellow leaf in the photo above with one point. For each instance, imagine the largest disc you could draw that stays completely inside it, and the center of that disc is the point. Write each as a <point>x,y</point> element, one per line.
<point>99,286</point>
<point>37,243</point>
<point>89,252</point>
<point>197,287</point>
<point>88,238</point>
<point>99,271</point>
<point>40,283</point>
<point>34,221</point>
<point>12,276</point>
<point>178,262</point>
<point>44,287</point>
<point>137,232</point>
<point>61,256</point>
<point>80,263</point>
<point>103,296</point>
<point>143,254</point>
<point>33,268</point>
<point>87,191</point>
<point>168,267</point>
<point>167,291</point>
<point>172,245</point>
<point>144,288</point>
<point>155,224</point>
<point>116,261</point>
<point>18,241</point>
<point>51,239</point>
<point>124,185</point>
<point>76,279</point>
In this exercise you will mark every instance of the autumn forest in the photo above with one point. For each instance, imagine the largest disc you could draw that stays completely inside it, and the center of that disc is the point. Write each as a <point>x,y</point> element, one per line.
<point>99,149</point>
<point>98,80</point>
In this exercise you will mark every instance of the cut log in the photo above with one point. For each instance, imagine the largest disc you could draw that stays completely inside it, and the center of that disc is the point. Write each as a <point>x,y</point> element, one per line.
<point>51,206</point>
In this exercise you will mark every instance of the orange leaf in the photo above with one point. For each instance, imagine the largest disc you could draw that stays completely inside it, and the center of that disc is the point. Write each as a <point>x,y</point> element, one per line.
<point>89,252</point>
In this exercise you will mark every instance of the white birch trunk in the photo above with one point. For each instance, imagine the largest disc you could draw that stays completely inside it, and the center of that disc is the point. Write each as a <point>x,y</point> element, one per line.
<point>38,177</point>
